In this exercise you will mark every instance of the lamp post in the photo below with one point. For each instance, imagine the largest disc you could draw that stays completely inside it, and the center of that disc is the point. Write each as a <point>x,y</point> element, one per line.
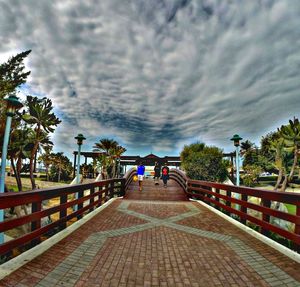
<point>236,141</point>
<point>13,104</point>
<point>79,139</point>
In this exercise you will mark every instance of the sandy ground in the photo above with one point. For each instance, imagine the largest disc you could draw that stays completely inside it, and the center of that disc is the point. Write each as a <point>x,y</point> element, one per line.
<point>27,184</point>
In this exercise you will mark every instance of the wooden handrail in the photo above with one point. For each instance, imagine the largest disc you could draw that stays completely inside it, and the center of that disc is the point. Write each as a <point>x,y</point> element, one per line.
<point>98,193</point>
<point>180,177</point>
<point>211,193</point>
<point>128,177</point>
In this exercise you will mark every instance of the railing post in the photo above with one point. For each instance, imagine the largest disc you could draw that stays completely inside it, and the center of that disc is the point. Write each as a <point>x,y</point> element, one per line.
<point>297,230</point>
<point>100,196</point>
<point>106,192</point>
<point>217,198</point>
<point>36,207</point>
<point>228,202</point>
<point>80,205</point>
<point>265,217</point>
<point>92,191</point>
<point>209,188</point>
<point>244,208</point>
<point>63,212</point>
<point>122,191</point>
<point>111,189</point>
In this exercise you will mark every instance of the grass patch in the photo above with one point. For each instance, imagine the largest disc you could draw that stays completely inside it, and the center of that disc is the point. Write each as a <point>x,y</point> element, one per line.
<point>291,208</point>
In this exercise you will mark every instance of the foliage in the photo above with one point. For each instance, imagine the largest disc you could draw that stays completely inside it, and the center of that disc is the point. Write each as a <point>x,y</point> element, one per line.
<point>12,75</point>
<point>246,146</point>
<point>204,162</point>
<point>19,149</point>
<point>61,167</point>
<point>192,148</point>
<point>108,159</point>
<point>291,135</point>
<point>252,173</point>
<point>40,116</point>
<point>46,158</point>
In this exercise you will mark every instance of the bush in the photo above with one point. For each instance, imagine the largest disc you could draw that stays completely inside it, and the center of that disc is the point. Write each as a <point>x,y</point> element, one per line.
<point>202,162</point>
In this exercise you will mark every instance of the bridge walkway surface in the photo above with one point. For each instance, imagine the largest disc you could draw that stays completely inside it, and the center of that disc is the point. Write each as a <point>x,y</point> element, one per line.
<point>157,238</point>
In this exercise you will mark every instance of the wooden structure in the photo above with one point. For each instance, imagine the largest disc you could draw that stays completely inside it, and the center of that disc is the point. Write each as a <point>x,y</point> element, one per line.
<point>148,160</point>
<point>93,195</point>
<point>128,160</point>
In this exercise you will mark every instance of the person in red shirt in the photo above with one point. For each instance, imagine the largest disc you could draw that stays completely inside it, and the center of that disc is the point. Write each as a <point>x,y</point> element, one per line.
<point>165,174</point>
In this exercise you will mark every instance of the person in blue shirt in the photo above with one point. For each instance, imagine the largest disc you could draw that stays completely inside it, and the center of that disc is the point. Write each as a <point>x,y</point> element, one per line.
<point>140,174</point>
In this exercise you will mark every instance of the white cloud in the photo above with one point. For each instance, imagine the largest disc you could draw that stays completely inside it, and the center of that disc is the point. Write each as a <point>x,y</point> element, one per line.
<point>156,74</point>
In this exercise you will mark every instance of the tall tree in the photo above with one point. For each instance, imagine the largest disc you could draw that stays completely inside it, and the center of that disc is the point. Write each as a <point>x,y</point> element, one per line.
<point>12,75</point>
<point>105,145</point>
<point>21,143</point>
<point>40,115</point>
<point>116,154</point>
<point>46,158</point>
<point>111,152</point>
<point>61,167</point>
<point>291,136</point>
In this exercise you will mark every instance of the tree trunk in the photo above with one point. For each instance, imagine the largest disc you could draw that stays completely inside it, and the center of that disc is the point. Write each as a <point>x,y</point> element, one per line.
<point>17,176</point>
<point>294,164</point>
<point>284,184</point>
<point>34,164</point>
<point>31,164</point>
<point>114,169</point>
<point>59,172</point>
<point>279,178</point>
<point>47,172</point>
<point>19,167</point>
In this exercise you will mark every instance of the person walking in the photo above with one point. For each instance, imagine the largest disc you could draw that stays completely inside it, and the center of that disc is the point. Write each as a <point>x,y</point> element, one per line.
<point>156,173</point>
<point>165,174</point>
<point>140,174</point>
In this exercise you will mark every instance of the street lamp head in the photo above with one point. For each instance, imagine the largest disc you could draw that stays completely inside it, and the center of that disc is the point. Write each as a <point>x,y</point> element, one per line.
<point>13,104</point>
<point>80,139</point>
<point>236,140</point>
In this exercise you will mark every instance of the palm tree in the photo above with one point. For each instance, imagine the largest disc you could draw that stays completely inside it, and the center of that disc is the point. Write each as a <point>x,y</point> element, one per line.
<point>61,163</point>
<point>116,154</point>
<point>104,161</point>
<point>277,146</point>
<point>43,120</point>
<point>46,158</point>
<point>107,160</point>
<point>105,145</point>
<point>291,136</point>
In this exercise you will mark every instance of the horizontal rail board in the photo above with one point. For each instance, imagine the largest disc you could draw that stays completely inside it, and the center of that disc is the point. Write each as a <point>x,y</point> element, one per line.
<point>289,235</point>
<point>100,192</point>
<point>276,213</point>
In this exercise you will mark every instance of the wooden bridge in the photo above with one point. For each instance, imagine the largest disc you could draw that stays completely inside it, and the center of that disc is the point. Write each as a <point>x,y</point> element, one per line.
<point>182,235</point>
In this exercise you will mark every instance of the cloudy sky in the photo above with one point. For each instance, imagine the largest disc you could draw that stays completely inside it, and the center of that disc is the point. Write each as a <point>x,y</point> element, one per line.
<point>158,74</point>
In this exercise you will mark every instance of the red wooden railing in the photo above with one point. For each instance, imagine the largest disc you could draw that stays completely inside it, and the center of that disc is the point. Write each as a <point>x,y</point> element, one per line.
<point>128,177</point>
<point>89,197</point>
<point>221,197</point>
<point>93,195</point>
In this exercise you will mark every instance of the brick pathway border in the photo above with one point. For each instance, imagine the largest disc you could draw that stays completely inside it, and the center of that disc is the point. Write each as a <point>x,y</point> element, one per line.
<point>17,262</point>
<point>73,266</point>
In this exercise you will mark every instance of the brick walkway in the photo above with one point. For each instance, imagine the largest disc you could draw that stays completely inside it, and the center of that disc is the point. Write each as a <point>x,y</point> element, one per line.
<point>157,243</point>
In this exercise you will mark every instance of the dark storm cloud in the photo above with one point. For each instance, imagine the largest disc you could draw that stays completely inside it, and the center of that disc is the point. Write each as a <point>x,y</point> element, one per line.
<point>158,74</point>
